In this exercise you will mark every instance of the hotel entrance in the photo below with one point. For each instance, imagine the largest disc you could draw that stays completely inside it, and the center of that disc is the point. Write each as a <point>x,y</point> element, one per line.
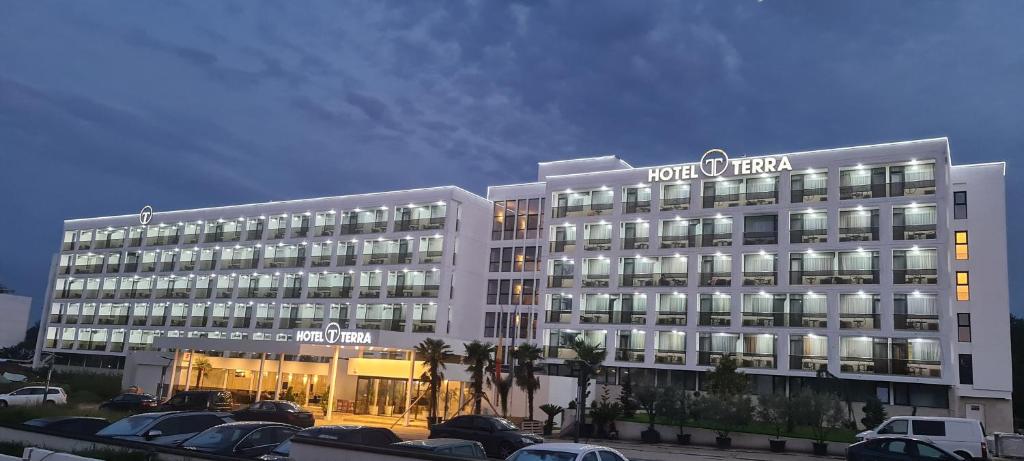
<point>382,396</point>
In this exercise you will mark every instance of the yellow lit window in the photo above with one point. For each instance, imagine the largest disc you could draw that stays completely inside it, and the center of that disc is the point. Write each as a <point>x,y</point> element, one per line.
<point>963,287</point>
<point>961,245</point>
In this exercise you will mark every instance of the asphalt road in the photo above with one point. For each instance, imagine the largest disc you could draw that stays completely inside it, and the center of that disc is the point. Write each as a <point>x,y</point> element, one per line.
<point>637,451</point>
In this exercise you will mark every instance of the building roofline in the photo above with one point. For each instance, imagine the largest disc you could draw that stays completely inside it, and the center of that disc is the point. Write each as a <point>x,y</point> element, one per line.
<point>1001,164</point>
<point>586,159</point>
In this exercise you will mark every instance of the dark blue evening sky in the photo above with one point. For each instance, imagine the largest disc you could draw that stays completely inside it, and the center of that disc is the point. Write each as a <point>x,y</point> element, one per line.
<point>107,106</point>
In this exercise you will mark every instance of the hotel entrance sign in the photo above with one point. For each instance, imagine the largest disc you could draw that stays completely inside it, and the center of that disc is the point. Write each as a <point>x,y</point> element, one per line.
<point>333,334</point>
<point>716,162</point>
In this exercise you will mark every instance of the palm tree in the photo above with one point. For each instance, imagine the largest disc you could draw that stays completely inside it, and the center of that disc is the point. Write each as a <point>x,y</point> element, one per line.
<point>434,353</point>
<point>588,358</point>
<point>479,363</point>
<point>202,367</point>
<point>503,385</point>
<point>527,356</point>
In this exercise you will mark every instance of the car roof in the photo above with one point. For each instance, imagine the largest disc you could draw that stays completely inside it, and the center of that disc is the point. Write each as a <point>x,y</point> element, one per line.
<point>576,448</point>
<point>934,418</point>
<point>252,424</point>
<point>57,419</point>
<point>337,428</point>
<point>434,443</point>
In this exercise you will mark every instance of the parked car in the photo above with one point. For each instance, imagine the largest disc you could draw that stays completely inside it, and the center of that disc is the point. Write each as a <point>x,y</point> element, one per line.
<point>566,452</point>
<point>499,436</point>
<point>164,428</point>
<point>33,395</point>
<point>362,435</point>
<point>134,403</point>
<point>898,448</point>
<point>965,437</point>
<point>82,425</point>
<point>248,439</point>
<point>280,411</point>
<point>199,400</point>
<point>450,447</point>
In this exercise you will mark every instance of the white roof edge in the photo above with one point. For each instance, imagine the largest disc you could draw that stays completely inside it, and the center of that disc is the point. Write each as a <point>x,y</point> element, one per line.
<point>584,159</point>
<point>968,165</point>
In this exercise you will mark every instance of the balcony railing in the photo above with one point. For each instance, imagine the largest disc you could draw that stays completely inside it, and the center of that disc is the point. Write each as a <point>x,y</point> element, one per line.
<point>886,366</point>
<point>560,281</point>
<point>916,276</point>
<point>558,316</point>
<point>213,237</point>
<point>419,224</point>
<point>714,319</point>
<point>623,354</point>
<point>741,199</point>
<point>323,231</point>
<point>89,268</point>
<point>175,293</point>
<point>162,240</point>
<point>413,291</point>
<point>291,261</point>
<point>112,320</point>
<point>237,263</point>
<point>764,319</point>
<point>918,232</point>
<point>369,292</point>
<point>635,243</point>
<point>559,352</point>
<point>597,244</point>
<point>858,234</point>
<point>254,234</point>
<point>845,277</point>
<point>678,203</point>
<point>363,228</point>
<point>678,241</point>
<point>817,194</point>
<point>320,261</point>
<point>330,292</point>
<point>294,291</point>
<point>759,279</point>
<point>431,257</point>
<point>380,324</point>
<point>636,206</point>
<point>669,357</point>
<point>862,191</point>
<point>918,322</point>
<point>593,209</point>
<point>558,246</point>
<point>808,362</point>
<point>808,236</point>
<point>615,317</point>
<point>300,232</point>
<point>254,292</point>
<point>346,260</point>
<point>716,240</point>
<point>808,320</point>
<point>860,321</point>
<point>277,233</point>
<point>760,238</point>
<point>595,281</point>
<point>103,244</point>
<point>711,358</point>
<point>757,360</point>
<point>424,326</point>
<point>677,318</point>
<point>388,258</point>
<point>715,279</point>
<point>913,188</point>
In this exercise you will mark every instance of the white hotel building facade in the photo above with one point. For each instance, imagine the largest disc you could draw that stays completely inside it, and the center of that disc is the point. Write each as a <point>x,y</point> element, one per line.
<point>883,266</point>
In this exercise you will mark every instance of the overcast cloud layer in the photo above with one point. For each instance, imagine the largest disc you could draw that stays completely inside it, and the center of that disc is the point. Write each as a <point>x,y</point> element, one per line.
<point>107,106</point>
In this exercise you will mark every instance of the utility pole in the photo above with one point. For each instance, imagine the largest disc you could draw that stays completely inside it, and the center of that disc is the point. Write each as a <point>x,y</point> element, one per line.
<point>49,374</point>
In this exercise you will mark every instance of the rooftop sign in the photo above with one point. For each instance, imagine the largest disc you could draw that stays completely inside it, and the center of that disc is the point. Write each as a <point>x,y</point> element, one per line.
<point>716,162</point>
<point>333,334</point>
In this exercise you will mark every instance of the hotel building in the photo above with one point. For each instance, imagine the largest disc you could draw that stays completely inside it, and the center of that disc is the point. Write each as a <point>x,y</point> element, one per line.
<point>883,266</point>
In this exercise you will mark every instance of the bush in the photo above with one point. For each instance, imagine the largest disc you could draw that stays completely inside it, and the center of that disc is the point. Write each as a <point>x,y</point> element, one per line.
<point>821,411</point>
<point>774,410</point>
<point>727,413</point>
<point>100,386</point>
<point>874,413</point>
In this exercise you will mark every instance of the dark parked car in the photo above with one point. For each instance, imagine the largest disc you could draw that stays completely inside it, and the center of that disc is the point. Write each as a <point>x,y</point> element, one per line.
<point>362,435</point>
<point>248,439</point>
<point>279,411</point>
<point>499,437</point>
<point>164,428</point>
<point>450,447</point>
<point>898,449</point>
<point>135,403</point>
<point>200,400</point>
<point>70,424</point>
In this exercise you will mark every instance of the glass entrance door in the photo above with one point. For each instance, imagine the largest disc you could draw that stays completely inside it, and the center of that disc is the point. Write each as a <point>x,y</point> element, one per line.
<point>380,396</point>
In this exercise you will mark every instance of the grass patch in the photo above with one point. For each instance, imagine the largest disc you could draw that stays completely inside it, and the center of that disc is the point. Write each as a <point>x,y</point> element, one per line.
<point>841,435</point>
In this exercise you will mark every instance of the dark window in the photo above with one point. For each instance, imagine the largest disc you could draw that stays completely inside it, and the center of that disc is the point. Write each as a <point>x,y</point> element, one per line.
<point>489,319</point>
<point>920,395</point>
<point>960,204</point>
<point>492,291</point>
<point>495,260</point>
<point>963,327</point>
<point>923,427</point>
<point>506,259</point>
<point>896,446</point>
<point>590,457</point>
<point>925,450</point>
<point>966,369</point>
<point>609,456</point>
<point>896,427</point>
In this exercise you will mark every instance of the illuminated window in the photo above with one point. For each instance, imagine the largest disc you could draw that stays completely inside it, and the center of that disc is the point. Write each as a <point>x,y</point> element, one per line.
<point>961,245</point>
<point>963,287</point>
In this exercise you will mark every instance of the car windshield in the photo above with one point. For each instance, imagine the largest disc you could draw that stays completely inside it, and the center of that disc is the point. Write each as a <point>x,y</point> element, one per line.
<point>128,426</point>
<point>287,406</point>
<point>217,437</point>
<point>505,425</point>
<point>543,455</point>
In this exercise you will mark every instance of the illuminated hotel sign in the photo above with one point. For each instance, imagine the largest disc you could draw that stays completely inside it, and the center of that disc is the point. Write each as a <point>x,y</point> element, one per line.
<point>716,162</point>
<point>333,334</point>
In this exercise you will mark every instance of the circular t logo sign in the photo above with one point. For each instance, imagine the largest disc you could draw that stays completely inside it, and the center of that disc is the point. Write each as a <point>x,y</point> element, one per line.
<point>714,162</point>
<point>332,332</point>
<point>146,215</point>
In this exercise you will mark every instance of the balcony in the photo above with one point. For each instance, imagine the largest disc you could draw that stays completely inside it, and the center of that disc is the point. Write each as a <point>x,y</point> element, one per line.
<point>676,203</point>
<point>858,234</point>
<point>711,358</point>
<point>596,244</point>
<point>808,362</point>
<point>860,321</point>
<point>716,240</point>
<point>293,291</point>
<point>323,260</point>
<point>678,241</point>
<point>254,234</point>
<point>112,320</point>
<point>431,256</point>
<point>714,319</point>
<point>559,246</point>
<point>916,322</point>
<point>677,318</point>
<point>757,360</point>
<point>635,243</point>
<point>912,188</point>
<point>808,236</point>
<point>559,352</point>
<point>346,260</point>
<point>915,276</point>
<point>174,293</point>
<point>330,292</point>
<point>817,194</point>
<point>764,319</point>
<point>861,191</point>
<point>286,262</point>
<point>560,281</point>
<point>323,231</point>
<point>107,243</point>
<point>277,233</point>
<point>759,279</point>
<point>593,209</point>
<point>636,280</point>
<point>669,357</point>
<point>595,281</point>
<point>413,291</point>
<point>885,366</point>
<point>623,354</point>
<point>845,277</point>
<point>251,292</point>
<point>136,294</point>
<point>369,292</point>
<point>388,258</point>
<point>89,268</point>
<point>918,232</point>
<point>741,199</point>
<point>380,324</point>
<point>760,238</point>
<point>300,231</point>
<point>221,236</point>
<point>808,320</point>
<point>636,206</point>
<point>402,225</point>
<point>424,326</point>
<point>159,240</point>
<point>237,263</point>
<point>363,228</point>
<point>613,317</point>
<point>558,316</point>
<point>715,279</point>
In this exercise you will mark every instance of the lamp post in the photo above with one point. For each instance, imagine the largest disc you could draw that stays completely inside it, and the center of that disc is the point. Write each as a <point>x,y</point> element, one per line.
<point>49,374</point>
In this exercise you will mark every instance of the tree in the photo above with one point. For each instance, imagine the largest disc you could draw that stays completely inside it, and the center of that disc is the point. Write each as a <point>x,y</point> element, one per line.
<point>588,358</point>
<point>726,412</point>
<point>503,386</point>
<point>874,413</point>
<point>821,411</point>
<point>202,366</point>
<point>774,410</point>
<point>626,398</point>
<point>551,411</point>
<point>527,356</point>
<point>434,353</point>
<point>479,361</point>
<point>647,397</point>
<point>725,380</point>
<point>674,404</point>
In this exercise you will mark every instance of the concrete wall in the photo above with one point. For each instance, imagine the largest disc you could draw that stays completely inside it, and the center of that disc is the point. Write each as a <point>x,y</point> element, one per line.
<point>15,310</point>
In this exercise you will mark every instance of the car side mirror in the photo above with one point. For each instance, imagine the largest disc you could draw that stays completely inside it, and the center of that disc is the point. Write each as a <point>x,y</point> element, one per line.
<point>154,433</point>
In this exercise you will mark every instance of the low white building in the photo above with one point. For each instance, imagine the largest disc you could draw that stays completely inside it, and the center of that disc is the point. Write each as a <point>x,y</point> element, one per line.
<point>15,310</point>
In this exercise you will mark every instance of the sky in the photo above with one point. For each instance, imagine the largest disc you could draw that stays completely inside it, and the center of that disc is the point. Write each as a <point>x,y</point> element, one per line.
<point>108,106</point>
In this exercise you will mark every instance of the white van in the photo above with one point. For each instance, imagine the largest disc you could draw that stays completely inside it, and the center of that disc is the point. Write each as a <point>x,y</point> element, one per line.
<point>965,437</point>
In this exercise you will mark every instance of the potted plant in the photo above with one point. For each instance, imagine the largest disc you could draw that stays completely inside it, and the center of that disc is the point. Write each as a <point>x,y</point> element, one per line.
<point>727,406</point>
<point>602,412</point>
<point>823,413</point>
<point>552,411</point>
<point>647,396</point>
<point>674,405</point>
<point>773,410</point>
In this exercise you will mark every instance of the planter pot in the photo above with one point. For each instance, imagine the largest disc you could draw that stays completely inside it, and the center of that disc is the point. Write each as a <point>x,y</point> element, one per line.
<point>650,436</point>
<point>548,429</point>
<point>723,442</point>
<point>777,446</point>
<point>683,439</point>
<point>820,449</point>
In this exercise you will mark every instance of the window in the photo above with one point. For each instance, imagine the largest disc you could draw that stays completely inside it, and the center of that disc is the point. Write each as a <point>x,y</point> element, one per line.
<point>963,286</point>
<point>896,427</point>
<point>966,369</point>
<point>963,327</point>
<point>927,451</point>
<point>897,446</point>
<point>960,205</point>
<point>923,427</point>
<point>961,245</point>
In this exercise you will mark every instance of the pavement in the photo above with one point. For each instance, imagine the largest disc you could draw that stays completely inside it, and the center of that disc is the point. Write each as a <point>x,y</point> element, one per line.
<point>639,451</point>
